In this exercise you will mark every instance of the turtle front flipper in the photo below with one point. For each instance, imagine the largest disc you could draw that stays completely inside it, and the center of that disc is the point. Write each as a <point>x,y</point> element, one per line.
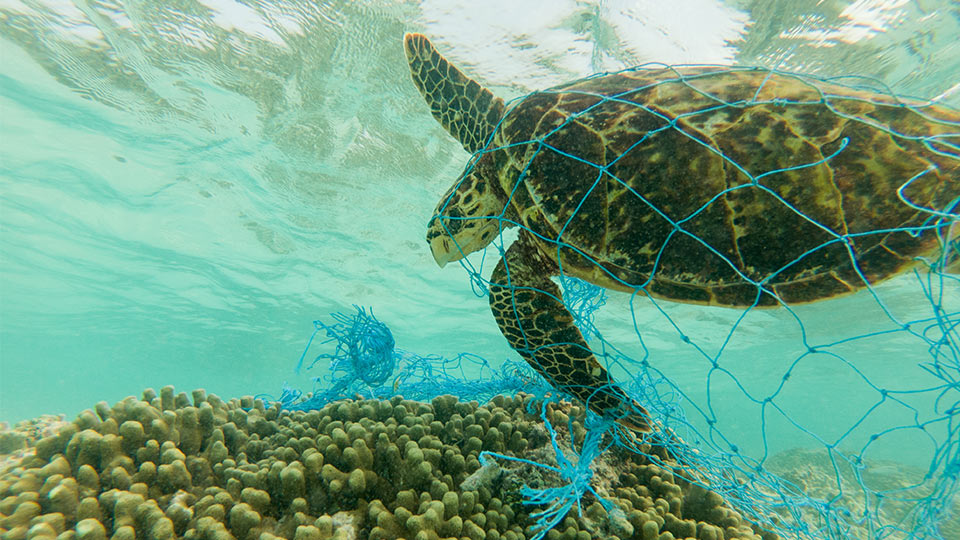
<point>530,311</point>
<point>465,109</point>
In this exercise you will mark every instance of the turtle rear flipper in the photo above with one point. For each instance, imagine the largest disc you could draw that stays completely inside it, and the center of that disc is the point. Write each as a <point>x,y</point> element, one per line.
<point>529,309</point>
<point>465,109</point>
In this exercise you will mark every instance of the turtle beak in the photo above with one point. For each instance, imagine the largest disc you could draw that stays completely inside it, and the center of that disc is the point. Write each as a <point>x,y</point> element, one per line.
<point>440,247</point>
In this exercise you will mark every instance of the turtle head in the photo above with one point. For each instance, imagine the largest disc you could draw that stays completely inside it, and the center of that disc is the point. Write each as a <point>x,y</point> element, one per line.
<point>468,217</point>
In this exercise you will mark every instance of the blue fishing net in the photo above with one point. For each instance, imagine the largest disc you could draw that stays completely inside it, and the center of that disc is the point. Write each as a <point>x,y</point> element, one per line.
<point>575,471</point>
<point>365,363</point>
<point>833,485</point>
<point>364,352</point>
<point>583,299</point>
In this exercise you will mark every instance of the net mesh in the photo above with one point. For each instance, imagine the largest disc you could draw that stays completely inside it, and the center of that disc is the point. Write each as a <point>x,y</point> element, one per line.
<point>902,200</point>
<point>891,163</point>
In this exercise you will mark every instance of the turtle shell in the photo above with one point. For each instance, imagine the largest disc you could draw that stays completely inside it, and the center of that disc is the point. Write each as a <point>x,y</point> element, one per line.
<point>728,186</point>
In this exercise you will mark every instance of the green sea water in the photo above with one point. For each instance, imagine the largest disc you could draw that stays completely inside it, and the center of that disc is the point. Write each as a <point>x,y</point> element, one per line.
<point>186,185</point>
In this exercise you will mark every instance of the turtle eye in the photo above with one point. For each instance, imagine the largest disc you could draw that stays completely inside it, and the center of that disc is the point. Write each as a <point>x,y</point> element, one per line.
<point>453,226</point>
<point>453,220</point>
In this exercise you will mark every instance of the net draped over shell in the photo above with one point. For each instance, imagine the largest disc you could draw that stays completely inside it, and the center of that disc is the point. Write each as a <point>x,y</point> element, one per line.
<point>716,180</point>
<point>710,185</point>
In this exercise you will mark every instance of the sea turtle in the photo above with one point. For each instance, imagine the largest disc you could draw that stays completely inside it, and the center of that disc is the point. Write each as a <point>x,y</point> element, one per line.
<point>722,186</point>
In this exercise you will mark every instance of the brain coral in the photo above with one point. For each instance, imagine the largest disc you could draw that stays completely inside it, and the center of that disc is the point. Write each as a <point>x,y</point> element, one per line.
<point>169,466</point>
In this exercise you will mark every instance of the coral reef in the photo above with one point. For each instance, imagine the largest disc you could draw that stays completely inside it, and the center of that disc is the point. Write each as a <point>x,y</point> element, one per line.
<point>173,466</point>
<point>18,441</point>
<point>885,491</point>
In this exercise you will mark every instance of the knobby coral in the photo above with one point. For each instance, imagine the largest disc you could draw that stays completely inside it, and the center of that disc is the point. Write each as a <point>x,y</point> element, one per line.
<point>170,466</point>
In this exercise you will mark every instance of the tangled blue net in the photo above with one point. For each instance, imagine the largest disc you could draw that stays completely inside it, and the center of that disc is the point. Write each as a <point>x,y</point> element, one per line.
<point>367,364</point>
<point>841,490</point>
<point>583,300</point>
<point>364,351</point>
<point>558,501</point>
<point>831,486</point>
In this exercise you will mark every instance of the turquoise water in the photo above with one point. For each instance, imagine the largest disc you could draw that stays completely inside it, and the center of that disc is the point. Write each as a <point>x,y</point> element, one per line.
<point>186,186</point>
